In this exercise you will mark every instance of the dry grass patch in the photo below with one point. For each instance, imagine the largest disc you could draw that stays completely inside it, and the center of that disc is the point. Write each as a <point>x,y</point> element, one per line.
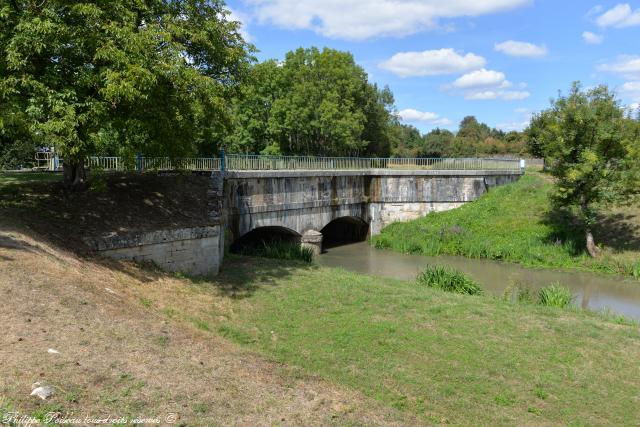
<point>121,356</point>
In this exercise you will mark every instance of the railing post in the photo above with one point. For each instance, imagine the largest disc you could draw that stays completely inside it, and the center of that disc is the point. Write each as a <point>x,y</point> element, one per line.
<point>139,164</point>
<point>222,160</point>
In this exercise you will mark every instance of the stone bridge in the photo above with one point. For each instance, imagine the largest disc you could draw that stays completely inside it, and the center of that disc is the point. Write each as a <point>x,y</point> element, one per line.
<point>305,202</point>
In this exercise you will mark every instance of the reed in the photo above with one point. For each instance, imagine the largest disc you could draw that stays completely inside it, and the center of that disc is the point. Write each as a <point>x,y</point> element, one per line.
<point>555,295</point>
<point>448,280</point>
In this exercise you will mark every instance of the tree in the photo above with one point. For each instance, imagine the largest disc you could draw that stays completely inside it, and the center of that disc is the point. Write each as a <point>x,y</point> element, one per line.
<point>119,77</point>
<point>406,141</point>
<point>535,133</point>
<point>313,103</point>
<point>251,111</point>
<point>592,151</point>
<point>437,143</point>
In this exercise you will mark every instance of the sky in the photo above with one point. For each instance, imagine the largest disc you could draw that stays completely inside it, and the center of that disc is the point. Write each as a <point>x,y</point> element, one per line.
<point>499,60</point>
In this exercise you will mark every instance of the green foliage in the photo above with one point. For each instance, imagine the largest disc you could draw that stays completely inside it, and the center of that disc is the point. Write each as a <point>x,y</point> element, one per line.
<point>118,77</point>
<point>278,249</point>
<point>473,139</point>
<point>448,280</point>
<point>555,295</point>
<point>314,102</point>
<point>511,223</point>
<point>593,152</point>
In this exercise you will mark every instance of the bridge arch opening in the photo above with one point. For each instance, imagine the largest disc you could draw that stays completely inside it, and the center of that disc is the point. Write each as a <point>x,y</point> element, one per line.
<point>261,236</point>
<point>344,230</point>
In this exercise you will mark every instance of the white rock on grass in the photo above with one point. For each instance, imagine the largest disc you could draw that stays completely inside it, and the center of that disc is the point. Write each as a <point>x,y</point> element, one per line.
<point>53,351</point>
<point>42,391</point>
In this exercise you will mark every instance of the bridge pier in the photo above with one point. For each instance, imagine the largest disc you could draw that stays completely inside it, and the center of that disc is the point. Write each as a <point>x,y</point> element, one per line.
<point>312,239</point>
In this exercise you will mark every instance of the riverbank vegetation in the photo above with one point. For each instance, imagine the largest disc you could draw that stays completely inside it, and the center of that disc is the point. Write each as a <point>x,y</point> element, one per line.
<point>319,345</point>
<point>448,280</point>
<point>516,223</point>
<point>277,249</point>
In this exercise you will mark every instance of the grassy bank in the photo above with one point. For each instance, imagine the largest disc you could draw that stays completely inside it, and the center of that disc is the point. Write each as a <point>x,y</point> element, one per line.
<point>514,223</point>
<point>349,349</point>
<point>467,360</point>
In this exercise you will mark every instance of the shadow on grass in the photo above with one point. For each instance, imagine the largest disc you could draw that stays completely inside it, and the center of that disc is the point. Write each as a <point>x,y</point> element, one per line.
<point>618,230</point>
<point>241,276</point>
<point>566,230</point>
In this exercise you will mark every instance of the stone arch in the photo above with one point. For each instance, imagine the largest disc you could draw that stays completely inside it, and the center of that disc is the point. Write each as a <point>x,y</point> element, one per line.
<point>345,229</point>
<point>268,232</point>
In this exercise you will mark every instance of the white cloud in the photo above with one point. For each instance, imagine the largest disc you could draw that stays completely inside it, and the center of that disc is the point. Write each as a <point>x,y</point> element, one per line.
<point>591,38</point>
<point>482,85</point>
<point>481,78</point>
<point>634,106</point>
<point>364,19</point>
<point>521,122</point>
<point>619,16</point>
<point>411,115</point>
<point>504,95</point>
<point>507,127</point>
<point>521,49</point>
<point>631,90</point>
<point>631,87</point>
<point>243,20</point>
<point>432,63</point>
<point>627,66</point>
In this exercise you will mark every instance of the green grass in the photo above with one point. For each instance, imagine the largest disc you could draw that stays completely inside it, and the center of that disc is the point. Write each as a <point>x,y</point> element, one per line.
<point>445,357</point>
<point>511,223</point>
<point>555,295</point>
<point>12,178</point>
<point>448,280</point>
<point>278,250</point>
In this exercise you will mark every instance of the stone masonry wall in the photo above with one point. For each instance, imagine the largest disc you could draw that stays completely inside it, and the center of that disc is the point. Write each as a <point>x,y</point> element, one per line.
<point>195,251</point>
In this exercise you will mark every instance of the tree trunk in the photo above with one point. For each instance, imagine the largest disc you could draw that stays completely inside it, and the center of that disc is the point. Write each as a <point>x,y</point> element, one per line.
<point>75,177</point>
<point>593,250</point>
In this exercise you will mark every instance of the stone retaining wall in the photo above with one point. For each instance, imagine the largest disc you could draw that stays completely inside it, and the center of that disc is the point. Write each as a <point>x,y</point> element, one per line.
<point>194,251</point>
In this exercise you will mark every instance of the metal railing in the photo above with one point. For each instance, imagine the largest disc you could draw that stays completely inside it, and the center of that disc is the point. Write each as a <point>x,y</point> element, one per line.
<point>154,163</point>
<point>192,164</point>
<point>236,162</point>
<point>106,163</point>
<point>240,162</point>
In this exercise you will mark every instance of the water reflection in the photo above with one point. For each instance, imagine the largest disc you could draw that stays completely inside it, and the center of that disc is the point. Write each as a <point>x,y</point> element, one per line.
<point>592,291</point>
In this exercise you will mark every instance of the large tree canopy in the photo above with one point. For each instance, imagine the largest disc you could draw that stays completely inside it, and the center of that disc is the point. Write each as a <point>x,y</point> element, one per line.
<point>314,102</point>
<point>117,76</point>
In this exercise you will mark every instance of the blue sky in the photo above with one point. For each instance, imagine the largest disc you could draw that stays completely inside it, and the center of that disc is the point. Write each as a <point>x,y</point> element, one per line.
<point>499,60</point>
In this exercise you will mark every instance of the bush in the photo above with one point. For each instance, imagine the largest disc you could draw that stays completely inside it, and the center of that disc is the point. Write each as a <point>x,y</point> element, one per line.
<point>279,250</point>
<point>448,280</point>
<point>555,295</point>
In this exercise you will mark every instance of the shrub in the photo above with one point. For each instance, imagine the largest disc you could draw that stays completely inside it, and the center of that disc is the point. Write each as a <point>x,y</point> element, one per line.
<point>279,249</point>
<point>555,295</point>
<point>448,280</point>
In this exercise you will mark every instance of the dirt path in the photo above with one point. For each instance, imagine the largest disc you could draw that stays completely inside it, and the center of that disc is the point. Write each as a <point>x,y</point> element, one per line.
<point>120,358</point>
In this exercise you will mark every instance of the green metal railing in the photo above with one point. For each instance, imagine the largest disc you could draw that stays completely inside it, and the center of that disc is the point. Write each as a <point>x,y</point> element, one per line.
<point>240,162</point>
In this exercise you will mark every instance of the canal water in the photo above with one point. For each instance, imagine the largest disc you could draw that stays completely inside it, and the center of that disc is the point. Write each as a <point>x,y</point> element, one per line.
<point>592,291</point>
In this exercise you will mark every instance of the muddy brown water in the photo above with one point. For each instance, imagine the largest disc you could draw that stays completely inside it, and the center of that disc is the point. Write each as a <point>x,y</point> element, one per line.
<point>591,291</point>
